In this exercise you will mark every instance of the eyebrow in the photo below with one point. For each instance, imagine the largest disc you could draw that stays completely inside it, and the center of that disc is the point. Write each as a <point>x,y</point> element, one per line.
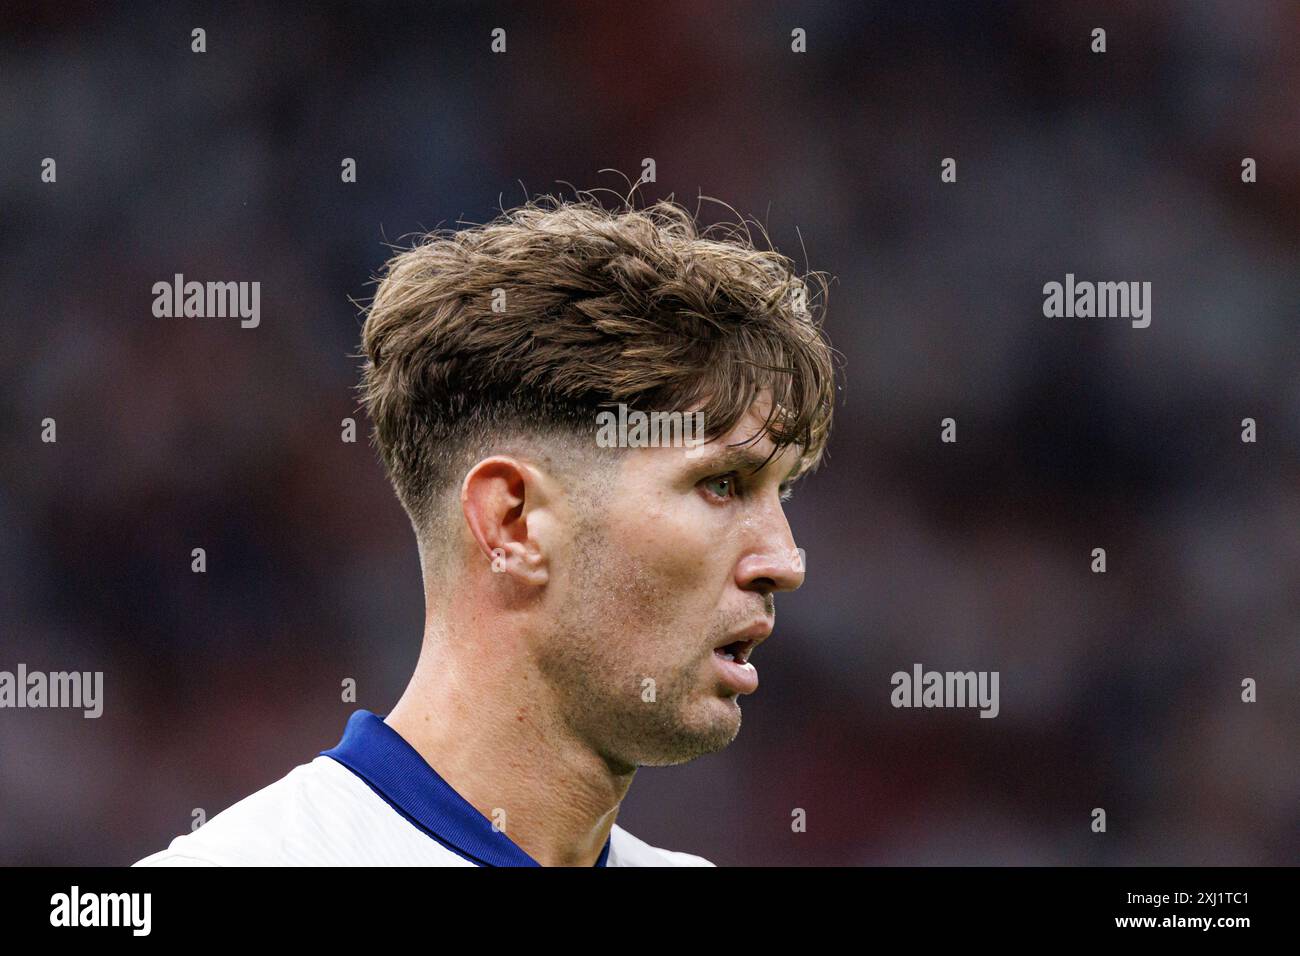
<point>736,458</point>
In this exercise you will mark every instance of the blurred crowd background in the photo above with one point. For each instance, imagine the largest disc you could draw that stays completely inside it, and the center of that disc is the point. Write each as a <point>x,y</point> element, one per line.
<point>1118,690</point>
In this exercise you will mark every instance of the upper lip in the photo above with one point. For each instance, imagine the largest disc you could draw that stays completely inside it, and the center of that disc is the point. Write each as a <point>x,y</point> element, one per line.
<point>749,638</point>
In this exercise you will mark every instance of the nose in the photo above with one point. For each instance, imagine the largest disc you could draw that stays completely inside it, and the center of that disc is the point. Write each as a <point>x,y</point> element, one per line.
<point>772,562</point>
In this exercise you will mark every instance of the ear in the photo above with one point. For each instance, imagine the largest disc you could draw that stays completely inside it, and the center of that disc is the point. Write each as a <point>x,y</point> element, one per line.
<point>498,497</point>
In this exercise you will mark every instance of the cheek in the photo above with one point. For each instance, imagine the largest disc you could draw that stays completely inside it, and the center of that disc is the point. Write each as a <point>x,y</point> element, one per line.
<point>670,574</point>
<point>674,546</point>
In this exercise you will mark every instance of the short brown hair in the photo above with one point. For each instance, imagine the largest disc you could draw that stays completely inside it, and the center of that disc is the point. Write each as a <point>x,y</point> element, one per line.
<point>632,306</point>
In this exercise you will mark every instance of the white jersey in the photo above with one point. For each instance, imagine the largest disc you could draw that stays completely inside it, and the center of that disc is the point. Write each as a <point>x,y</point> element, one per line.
<point>371,801</point>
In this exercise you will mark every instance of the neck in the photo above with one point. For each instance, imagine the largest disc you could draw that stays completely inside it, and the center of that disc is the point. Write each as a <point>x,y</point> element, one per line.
<point>487,723</point>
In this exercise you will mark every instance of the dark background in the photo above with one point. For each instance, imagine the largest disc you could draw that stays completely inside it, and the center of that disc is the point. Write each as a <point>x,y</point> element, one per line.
<point>1119,691</point>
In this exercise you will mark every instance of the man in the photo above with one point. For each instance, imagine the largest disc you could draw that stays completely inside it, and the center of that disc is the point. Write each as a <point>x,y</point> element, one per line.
<point>591,605</point>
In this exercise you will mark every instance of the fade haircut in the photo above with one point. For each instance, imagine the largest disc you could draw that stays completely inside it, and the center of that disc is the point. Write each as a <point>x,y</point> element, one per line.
<point>601,307</point>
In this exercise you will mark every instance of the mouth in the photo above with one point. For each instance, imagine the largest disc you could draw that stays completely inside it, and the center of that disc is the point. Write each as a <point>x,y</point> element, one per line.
<point>733,668</point>
<point>739,647</point>
<point>737,651</point>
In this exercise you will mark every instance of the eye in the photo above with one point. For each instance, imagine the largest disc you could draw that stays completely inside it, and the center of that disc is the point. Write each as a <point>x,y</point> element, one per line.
<point>727,484</point>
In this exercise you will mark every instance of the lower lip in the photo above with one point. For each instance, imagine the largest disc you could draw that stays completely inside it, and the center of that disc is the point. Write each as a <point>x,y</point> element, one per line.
<point>741,678</point>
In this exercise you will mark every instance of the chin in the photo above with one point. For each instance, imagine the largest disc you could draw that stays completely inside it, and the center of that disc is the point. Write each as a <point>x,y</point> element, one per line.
<point>709,729</point>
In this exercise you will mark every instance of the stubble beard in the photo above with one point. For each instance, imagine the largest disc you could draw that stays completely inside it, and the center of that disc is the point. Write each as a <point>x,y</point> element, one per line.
<point>611,638</point>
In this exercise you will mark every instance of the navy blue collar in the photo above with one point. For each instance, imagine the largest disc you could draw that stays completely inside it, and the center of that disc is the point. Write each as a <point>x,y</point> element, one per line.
<point>381,757</point>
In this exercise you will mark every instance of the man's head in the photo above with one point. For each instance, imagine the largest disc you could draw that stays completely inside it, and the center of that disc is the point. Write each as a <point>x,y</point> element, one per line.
<point>492,353</point>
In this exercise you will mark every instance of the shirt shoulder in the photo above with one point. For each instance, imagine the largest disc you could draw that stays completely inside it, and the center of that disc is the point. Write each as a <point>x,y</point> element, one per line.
<point>319,814</point>
<point>370,801</point>
<point>627,850</point>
